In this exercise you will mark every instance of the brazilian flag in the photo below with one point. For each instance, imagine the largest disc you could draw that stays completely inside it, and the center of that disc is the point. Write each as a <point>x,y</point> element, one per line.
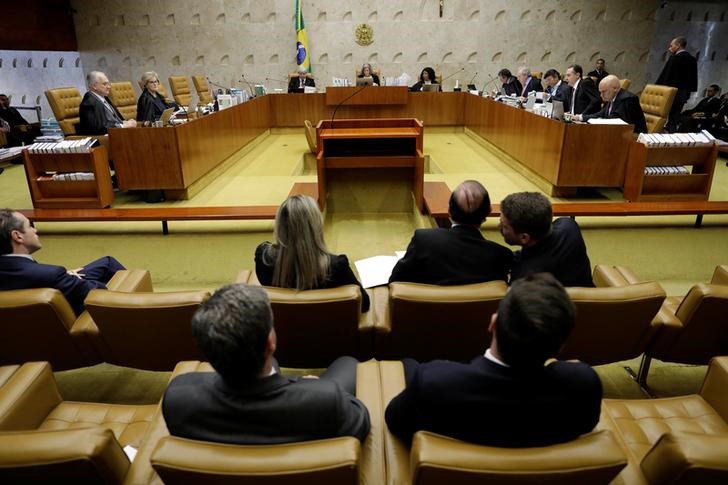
<point>302,57</point>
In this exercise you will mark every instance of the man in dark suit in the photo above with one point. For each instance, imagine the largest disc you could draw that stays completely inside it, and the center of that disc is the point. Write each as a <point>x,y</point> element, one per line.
<point>18,269</point>
<point>528,82</point>
<point>618,103</point>
<point>553,247</point>
<point>701,116</point>
<point>97,113</point>
<point>681,72</point>
<point>599,72</point>
<point>246,400</point>
<point>19,131</point>
<point>298,84</point>
<point>583,97</point>
<point>507,397</point>
<point>556,88</point>
<point>459,255</point>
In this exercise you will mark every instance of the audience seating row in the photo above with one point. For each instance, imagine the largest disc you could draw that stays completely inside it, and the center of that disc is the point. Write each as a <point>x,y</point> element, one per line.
<point>677,440</point>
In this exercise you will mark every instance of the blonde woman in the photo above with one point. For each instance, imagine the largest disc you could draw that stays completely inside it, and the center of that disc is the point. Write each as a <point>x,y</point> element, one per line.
<point>299,258</point>
<point>151,104</point>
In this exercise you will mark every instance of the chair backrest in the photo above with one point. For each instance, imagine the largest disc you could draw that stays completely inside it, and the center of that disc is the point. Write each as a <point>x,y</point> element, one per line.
<point>315,326</point>
<point>163,91</point>
<point>310,136</point>
<point>625,84</point>
<point>439,322</point>
<point>146,330</point>
<point>83,455</point>
<point>720,275</point>
<point>124,97</point>
<point>656,101</point>
<point>65,103</point>
<point>376,71</point>
<point>330,461</point>
<point>592,458</point>
<point>180,90</point>
<point>683,458</point>
<point>613,323</point>
<point>36,325</point>
<point>203,88</point>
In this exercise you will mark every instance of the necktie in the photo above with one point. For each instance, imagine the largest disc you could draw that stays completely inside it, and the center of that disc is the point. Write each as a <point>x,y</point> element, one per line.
<point>107,105</point>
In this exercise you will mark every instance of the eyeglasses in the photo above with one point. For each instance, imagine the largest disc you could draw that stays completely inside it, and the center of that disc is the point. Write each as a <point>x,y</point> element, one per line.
<point>156,81</point>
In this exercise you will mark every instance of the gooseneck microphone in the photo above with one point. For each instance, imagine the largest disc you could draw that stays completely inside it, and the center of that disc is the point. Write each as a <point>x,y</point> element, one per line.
<point>473,79</point>
<point>490,81</point>
<point>252,91</point>
<point>227,89</point>
<point>333,115</point>
<point>451,75</point>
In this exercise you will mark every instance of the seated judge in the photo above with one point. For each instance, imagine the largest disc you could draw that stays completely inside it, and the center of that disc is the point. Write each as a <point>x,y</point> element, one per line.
<point>509,396</point>
<point>701,115</point>
<point>299,83</point>
<point>151,104</point>
<point>528,82</point>
<point>427,76</point>
<point>459,255</point>
<point>299,258</point>
<point>18,270</point>
<point>18,130</point>
<point>618,103</point>
<point>555,87</point>
<point>583,96</point>
<point>247,401</point>
<point>510,86</point>
<point>366,71</point>
<point>97,113</point>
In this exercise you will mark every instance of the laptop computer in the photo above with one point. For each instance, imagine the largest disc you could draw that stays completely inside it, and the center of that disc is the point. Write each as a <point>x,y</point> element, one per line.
<point>166,116</point>
<point>364,81</point>
<point>432,88</point>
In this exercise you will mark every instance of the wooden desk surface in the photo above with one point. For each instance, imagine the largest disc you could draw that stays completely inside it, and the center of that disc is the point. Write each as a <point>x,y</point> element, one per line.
<point>370,132</point>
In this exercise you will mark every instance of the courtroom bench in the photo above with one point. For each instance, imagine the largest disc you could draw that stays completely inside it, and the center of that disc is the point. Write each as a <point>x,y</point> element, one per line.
<point>437,197</point>
<point>165,214</point>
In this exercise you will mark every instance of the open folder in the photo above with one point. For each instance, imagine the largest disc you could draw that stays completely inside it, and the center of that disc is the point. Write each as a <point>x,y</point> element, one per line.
<point>375,271</point>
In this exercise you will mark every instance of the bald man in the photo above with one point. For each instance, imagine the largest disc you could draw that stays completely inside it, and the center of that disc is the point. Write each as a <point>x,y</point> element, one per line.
<point>458,255</point>
<point>618,103</point>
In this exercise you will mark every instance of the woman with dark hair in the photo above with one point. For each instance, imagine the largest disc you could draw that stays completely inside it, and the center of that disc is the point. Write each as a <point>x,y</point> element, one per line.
<point>510,86</point>
<point>299,258</point>
<point>151,104</point>
<point>427,76</point>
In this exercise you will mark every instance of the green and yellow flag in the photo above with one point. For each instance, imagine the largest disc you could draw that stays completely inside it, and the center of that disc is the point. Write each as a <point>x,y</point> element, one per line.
<point>302,58</point>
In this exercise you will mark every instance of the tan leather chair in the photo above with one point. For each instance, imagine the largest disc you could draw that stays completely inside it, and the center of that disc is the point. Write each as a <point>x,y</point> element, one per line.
<point>613,321</point>
<point>65,103</point>
<point>180,90</point>
<point>720,275</point>
<point>203,88</point>
<point>377,72</point>
<point>428,322</point>
<point>536,74</point>
<point>163,92</point>
<point>656,101</point>
<point>433,459</point>
<point>134,327</point>
<point>625,84</point>
<point>310,131</point>
<point>677,440</point>
<point>123,96</point>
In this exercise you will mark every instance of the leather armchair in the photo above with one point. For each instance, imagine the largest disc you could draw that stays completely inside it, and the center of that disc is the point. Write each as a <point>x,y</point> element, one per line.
<point>720,275</point>
<point>677,440</point>
<point>428,322</point>
<point>180,90</point>
<point>656,101</point>
<point>133,327</point>
<point>625,84</point>
<point>124,97</point>
<point>203,88</point>
<point>65,103</point>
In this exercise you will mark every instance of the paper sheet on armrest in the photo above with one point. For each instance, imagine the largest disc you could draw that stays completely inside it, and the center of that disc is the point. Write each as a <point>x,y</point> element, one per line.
<point>375,271</point>
<point>607,121</point>
<point>130,452</point>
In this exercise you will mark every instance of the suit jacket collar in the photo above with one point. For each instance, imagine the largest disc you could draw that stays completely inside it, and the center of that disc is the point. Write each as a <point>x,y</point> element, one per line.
<point>260,386</point>
<point>466,229</point>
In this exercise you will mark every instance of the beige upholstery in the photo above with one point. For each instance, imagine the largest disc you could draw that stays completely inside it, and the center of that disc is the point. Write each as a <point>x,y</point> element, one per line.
<point>625,84</point>
<point>203,88</point>
<point>428,322</point>
<point>124,97</point>
<point>720,275</point>
<point>163,92</point>
<point>65,103</point>
<point>684,438</point>
<point>375,71</point>
<point>180,90</point>
<point>316,326</point>
<point>134,327</point>
<point>656,101</point>
<point>310,136</point>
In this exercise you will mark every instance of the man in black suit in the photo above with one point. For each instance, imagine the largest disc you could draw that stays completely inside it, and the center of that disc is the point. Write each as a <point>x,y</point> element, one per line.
<point>298,84</point>
<point>18,269</point>
<point>246,400</point>
<point>701,115</point>
<point>528,82</point>
<point>583,97</point>
<point>618,103</point>
<point>97,113</point>
<point>507,397</point>
<point>459,255</point>
<point>599,72</point>
<point>557,248</point>
<point>18,130</point>
<point>681,72</point>
<point>556,88</point>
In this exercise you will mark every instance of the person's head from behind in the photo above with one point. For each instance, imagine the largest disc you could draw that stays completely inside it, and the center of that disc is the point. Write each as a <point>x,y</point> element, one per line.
<point>427,75</point>
<point>573,74</point>
<point>150,81</point>
<point>504,75</point>
<point>534,320</point>
<point>17,236</point>
<point>525,218</point>
<point>551,77</point>
<point>234,331</point>
<point>469,203</point>
<point>609,87</point>
<point>98,83</point>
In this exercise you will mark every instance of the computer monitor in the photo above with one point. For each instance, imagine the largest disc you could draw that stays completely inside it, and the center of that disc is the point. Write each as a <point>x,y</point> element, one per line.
<point>433,88</point>
<point>364,81</point>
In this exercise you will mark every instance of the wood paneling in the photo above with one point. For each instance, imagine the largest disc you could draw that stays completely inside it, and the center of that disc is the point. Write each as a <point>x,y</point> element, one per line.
<point>37,25</point>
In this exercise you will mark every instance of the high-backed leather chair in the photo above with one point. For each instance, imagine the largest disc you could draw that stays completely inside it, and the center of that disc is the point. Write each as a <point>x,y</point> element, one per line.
<point>310,131</point>
<point>124,97</point>
<point>720,275</point>
<point>434,459</point>
<point>428,322</point>
<point>135,327</point>
<point>625,84</point>
<point>613,321</point>
<point>65,103</point>
<point>656,101</point>
<point>163,91</point>
<point>180,90</point>
<point>677,440</point>
<point>203,88</point>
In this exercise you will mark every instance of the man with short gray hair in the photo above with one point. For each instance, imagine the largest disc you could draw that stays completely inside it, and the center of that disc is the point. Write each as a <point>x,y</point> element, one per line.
<point>96,112</point>
<point>528,82</point>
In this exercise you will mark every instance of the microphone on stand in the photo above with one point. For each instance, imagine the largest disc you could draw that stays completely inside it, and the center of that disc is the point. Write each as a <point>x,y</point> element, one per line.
<point>252,91</point>
<point>227,89</point>
<point>488,83</point>
<point>471,81</point>
<point>457,88</point>
<point>333,115</point>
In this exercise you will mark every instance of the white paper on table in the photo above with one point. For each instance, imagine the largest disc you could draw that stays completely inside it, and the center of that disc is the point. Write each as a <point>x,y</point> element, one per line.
<point>375,271</point>
<point>607,121</point>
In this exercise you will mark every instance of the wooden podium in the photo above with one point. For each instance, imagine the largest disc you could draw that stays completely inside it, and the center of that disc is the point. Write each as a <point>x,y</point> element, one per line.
<point>384,143</point>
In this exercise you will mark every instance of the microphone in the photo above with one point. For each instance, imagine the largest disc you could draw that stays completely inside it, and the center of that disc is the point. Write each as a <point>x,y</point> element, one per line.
<point>279,81</point>
<point>252,92</point>
<point>473,79</point>
<point>227,90</point>
<point>451,75</point>
<point>488,83</point>
<point>333,115</point>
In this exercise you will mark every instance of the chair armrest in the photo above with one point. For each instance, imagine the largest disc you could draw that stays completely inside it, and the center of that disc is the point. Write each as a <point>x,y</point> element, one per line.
<point>720,275</point>
<point>243,276</point>
<point>130,281</point>
<point>682,457</point>
<point>715,386</point>
<point>27,395</point>
<point>615,276</point>
<point>369,391</point>
<point>380,309</point>
<point>397,453</point>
